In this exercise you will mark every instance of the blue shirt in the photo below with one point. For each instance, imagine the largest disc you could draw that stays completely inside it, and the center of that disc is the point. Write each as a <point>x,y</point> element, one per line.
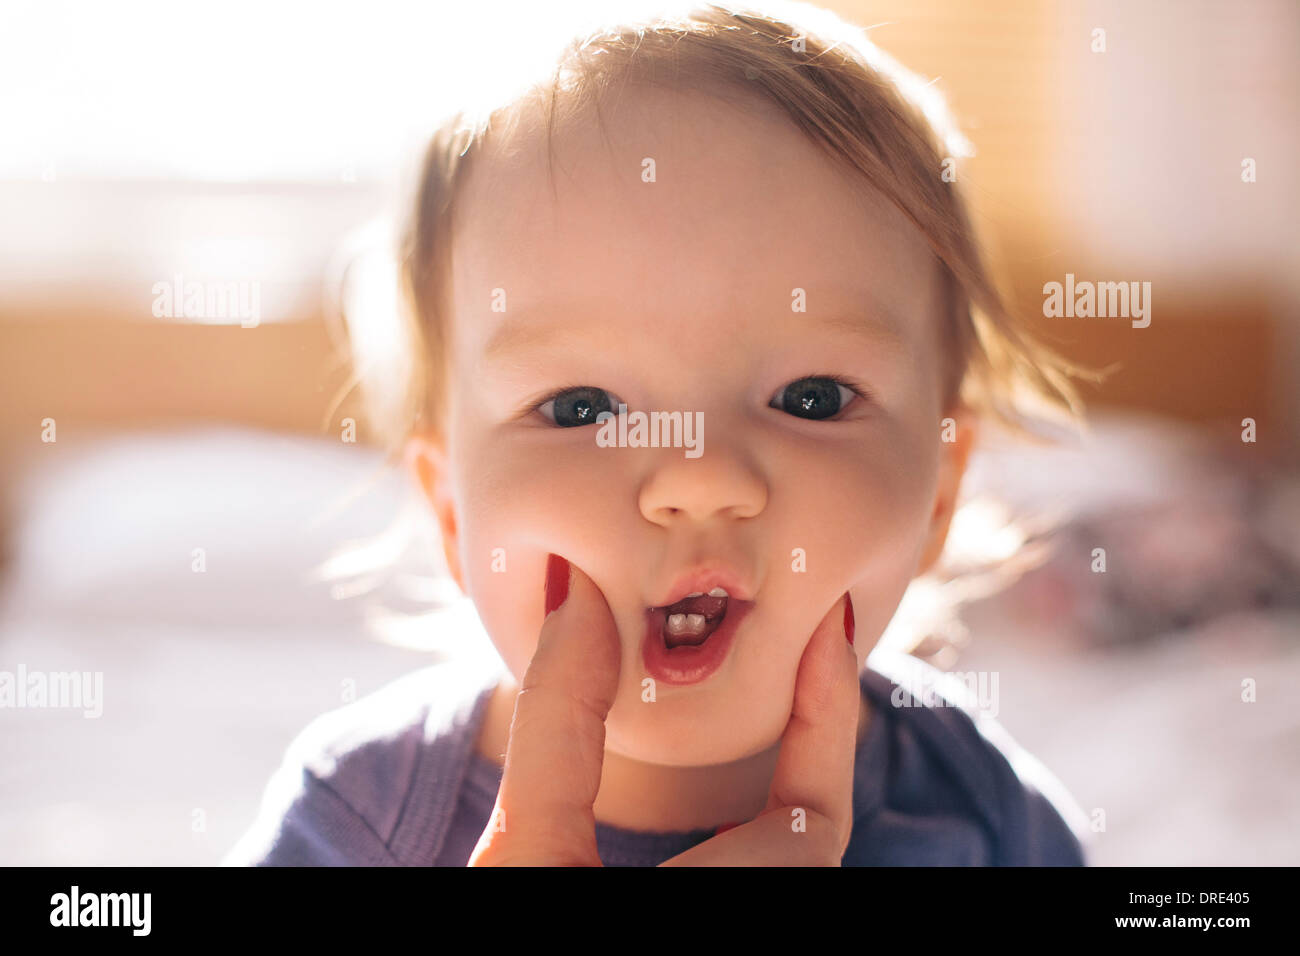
<point>394,779</point>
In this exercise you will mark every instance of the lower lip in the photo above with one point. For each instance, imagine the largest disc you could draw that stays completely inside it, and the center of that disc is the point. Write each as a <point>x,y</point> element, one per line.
<point>689,664</point>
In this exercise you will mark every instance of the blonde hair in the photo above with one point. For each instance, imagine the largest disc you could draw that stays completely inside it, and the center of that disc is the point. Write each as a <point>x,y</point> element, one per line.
<point>846,95</point>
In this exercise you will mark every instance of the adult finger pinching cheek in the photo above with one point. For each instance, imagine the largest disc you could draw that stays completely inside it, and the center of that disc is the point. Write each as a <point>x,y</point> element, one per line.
<point>543,814</point>
<point>814,770</point>
<point>809,814</point>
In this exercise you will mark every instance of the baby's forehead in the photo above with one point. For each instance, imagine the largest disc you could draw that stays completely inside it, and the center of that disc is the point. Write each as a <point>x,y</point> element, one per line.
<point>684,204</point>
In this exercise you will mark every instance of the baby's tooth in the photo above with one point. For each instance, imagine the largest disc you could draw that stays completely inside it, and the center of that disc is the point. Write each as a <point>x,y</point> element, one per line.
<point>696,594</point>
<point>718,592</point>
<point>685,623</point>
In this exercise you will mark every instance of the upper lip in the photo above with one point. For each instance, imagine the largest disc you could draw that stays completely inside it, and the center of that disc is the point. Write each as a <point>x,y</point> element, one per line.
<point>704,578</point>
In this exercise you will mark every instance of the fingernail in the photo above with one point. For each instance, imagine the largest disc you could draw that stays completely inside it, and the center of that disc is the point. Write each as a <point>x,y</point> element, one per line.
<point>557,582</point>
<point>848,617</point>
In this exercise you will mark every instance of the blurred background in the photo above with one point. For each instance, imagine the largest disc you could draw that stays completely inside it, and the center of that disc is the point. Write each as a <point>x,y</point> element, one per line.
<point>172,485</point>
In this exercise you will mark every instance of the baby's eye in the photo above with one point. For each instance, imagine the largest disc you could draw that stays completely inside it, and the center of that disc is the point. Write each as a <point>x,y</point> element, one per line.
<point>815,397</point>
<point>573,407</point>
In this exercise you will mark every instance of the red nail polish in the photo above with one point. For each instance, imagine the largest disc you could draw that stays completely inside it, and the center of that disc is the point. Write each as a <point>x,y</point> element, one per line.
<point>557,582</point>
<point>848,617</point>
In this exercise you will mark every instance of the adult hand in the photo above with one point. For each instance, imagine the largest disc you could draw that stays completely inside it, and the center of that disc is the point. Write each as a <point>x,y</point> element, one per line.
<point>543,814</point>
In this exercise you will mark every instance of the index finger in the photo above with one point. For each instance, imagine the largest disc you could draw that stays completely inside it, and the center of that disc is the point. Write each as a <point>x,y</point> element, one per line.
<point>556,750</point>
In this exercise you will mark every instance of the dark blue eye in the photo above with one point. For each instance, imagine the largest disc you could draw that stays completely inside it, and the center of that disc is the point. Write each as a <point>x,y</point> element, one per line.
<point>813,398</point>
<point>574,407</point>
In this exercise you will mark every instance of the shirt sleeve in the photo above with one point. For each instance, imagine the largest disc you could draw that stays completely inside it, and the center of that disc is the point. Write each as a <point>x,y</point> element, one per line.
<point>1027,815</point>
<point>302,821</point>
<point>1049,840</point>
<point>1042,823</point>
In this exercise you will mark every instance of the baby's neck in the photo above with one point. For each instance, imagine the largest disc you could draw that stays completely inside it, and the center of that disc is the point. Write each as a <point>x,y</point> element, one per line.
<point>640,796</point>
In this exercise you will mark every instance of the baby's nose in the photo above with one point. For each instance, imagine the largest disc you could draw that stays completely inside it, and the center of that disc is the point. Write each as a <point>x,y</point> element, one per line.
<point>721,482</point>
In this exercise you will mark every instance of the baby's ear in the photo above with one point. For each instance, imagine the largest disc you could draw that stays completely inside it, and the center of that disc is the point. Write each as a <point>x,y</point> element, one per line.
<point>426,456</point>
<point>957,433</point>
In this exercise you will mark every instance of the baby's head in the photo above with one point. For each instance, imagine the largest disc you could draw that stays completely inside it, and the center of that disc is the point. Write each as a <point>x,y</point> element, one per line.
<point>744,220</point>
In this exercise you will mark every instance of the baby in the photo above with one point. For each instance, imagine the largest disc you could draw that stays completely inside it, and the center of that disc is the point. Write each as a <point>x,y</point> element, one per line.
<point>743,230</point>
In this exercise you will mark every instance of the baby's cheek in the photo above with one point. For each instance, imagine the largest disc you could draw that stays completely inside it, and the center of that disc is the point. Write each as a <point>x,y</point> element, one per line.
<point>862,524</point>
<point>520,504</point>
<point>894,521</point>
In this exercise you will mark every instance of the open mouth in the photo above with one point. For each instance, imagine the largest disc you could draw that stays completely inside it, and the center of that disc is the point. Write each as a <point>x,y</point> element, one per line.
<point>690,621</point>
<point>689,640</point>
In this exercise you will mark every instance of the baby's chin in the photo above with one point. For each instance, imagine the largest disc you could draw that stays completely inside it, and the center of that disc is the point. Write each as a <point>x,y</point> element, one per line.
<point>706,727</point>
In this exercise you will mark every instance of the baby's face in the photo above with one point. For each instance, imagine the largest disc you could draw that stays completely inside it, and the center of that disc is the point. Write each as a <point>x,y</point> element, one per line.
<point>687,293</point>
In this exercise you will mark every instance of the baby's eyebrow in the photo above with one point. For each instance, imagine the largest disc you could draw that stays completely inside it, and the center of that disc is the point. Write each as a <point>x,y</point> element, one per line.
<point>880,329</point>
<point>523,331</point>
<point>528,329</point>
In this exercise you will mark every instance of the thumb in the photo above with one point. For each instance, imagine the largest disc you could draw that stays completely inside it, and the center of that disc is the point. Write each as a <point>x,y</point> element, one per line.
<point>815,765</point>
